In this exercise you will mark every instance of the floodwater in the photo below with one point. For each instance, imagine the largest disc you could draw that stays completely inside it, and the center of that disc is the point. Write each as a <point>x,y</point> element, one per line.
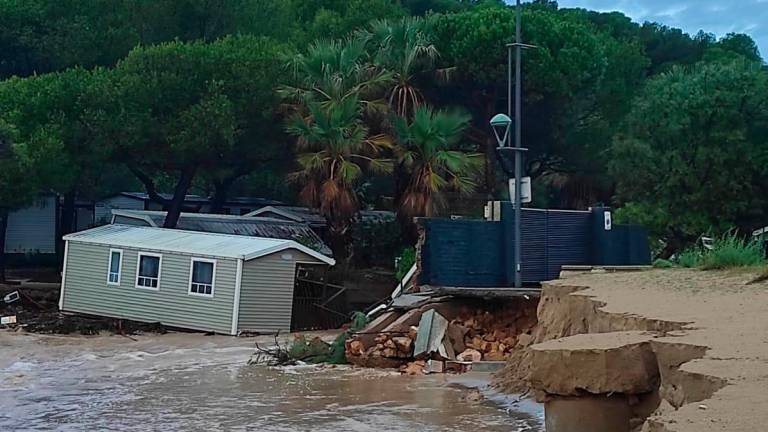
<point>192,382</point>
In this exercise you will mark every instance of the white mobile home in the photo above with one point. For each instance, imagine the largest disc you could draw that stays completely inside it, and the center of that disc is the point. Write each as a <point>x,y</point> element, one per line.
<point>203,281</point>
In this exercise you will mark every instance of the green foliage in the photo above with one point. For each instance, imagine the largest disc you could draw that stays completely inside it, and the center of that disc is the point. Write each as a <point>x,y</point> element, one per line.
<point>17,187</point>
<point>186,108</point>
<point>58,121</point>
<point>579,82</point>
<point>405,49</point>
<point>315,350</point>
<point>730,250</point>
<point>375,242</point>
<point>359,321</point>
<point>309,350</point>
<point>690,257</point>
<point>430,158</point>
<point>663,264</point>
<point>405,261</point>
<point>182,92</point>
<point>733,46</point>
<point>333,88</point>
<point>692,154</point>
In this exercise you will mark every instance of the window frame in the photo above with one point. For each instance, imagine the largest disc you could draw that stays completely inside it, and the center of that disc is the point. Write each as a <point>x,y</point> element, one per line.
<point>119,269</point>
<point>159,270</point>
<point>192,262</point>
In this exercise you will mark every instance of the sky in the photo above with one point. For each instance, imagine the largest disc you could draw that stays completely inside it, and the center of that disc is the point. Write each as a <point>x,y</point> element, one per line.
<point>713,16</point>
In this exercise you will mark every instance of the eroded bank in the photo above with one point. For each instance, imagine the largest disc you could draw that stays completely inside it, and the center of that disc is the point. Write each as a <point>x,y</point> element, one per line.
<point>671,351</point>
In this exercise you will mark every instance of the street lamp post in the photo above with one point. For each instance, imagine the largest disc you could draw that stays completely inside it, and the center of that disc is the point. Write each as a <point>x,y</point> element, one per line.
<point>503,122</point>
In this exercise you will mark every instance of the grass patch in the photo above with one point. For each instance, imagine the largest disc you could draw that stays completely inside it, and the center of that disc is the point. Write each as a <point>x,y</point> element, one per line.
<point>728,251</point>
<point>663,264</point>
<point>690,258</point>
<point>731,251</point>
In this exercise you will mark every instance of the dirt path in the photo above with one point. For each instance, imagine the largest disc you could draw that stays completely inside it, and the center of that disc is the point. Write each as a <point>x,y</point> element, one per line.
<point>719,311</point>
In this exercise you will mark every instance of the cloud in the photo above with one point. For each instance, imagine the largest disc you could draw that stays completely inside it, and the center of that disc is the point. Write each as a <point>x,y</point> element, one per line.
<point>713,16</point>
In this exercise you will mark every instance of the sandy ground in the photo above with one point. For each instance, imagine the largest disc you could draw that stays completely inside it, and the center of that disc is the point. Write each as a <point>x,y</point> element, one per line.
<point>722,313</point>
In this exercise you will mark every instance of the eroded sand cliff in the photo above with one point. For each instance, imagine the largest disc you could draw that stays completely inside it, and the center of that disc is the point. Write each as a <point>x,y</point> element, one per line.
<point>688,348</point>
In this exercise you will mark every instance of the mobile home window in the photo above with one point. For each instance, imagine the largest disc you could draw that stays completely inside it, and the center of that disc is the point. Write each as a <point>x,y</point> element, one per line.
<point>148,274</point>
<point>115,266</point>
<point>202,275</point>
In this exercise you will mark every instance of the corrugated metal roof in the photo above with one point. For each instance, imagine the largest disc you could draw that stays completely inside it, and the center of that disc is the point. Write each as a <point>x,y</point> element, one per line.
<point>313,216</point>
<point>190,242</point>
<point>236,225</point>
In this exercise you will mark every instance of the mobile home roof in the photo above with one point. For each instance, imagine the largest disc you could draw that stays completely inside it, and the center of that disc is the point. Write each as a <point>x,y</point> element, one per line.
<point>190,242</point>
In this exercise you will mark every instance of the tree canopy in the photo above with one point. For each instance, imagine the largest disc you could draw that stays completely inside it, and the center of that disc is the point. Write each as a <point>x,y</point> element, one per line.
<point>692,156</point>
<point>354,99</point>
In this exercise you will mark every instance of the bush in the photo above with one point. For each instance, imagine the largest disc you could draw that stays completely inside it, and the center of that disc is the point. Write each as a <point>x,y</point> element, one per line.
<point>689,258</point>
<point>731,251</point>
<point>663,264</point>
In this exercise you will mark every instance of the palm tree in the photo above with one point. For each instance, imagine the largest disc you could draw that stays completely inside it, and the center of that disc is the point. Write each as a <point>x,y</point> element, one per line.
<point>428,154</point>
<point>403,48</point>
<point>332,71</point>
<point>334,86</point>
<point>334,148</point>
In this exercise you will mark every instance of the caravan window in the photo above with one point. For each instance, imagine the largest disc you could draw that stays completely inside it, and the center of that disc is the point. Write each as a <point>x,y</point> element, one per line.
<point>148,272</point>
<point>115,266</point>
<point>201,276</point>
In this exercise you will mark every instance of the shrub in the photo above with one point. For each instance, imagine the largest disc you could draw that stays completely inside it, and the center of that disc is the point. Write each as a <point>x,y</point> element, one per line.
<point>731,251</point>
<point>663,264</point>
<point>689,258</point>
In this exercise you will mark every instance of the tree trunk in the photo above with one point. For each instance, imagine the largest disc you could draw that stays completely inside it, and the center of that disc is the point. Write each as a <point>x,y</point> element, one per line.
<point>68,213</point>
<point>3,229</point>
<point>176,204</point>
<point>220,194</point>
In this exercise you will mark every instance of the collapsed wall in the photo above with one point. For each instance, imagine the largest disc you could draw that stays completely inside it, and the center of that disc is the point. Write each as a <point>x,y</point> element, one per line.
<point>487,330</point>
<point>587,363</point>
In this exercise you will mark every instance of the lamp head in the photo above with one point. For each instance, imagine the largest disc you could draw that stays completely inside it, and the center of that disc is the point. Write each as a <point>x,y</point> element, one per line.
<point>500,124</point>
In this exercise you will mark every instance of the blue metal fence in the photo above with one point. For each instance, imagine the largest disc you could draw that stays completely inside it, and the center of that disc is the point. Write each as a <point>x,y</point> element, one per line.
<point>477,253</point>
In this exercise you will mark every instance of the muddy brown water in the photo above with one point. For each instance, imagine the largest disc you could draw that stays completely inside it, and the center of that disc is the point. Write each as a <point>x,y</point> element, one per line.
<point>190,382</point>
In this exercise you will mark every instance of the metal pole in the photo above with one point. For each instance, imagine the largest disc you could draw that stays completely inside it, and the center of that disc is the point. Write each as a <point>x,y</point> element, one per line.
<point>518,156</point>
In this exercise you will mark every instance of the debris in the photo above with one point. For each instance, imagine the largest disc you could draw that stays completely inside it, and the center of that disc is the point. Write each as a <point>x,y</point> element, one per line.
<point>434,366</point>
<point>456,334</point>
<point>403,343</point>
<point>429,338</point>
<point>414,368</point>
<point>470,355</point>
<point>489,331</point>
<point>276,355</point>
<point>473,396</point>
<point>703,407</point>
<point>6,320</point>
<point>457,366</point>
<point>12,297</point>
<point>446,350</point>
<point>356,347</point>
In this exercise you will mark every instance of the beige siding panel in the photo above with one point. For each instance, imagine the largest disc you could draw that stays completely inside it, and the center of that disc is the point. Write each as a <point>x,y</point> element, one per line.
<point>266,294</point>
<point>86,290</point>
